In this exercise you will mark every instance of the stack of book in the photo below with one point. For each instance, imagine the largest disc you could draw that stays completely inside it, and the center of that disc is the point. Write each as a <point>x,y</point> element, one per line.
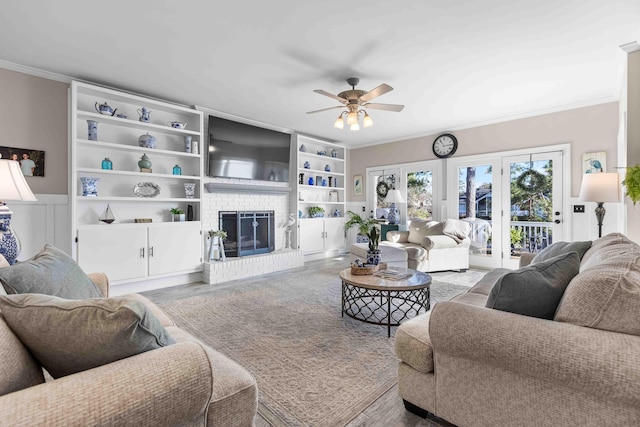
<point>393,274</point>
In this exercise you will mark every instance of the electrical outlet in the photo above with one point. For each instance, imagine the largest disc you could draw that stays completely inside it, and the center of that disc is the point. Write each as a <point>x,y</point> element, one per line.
<point>578,208</point>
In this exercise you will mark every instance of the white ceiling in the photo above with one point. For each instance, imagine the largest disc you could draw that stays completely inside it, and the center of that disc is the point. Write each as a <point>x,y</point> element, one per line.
<point>453,64</point>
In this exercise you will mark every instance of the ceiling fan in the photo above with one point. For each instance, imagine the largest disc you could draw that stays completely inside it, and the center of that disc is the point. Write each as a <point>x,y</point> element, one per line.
<point>355,100</point>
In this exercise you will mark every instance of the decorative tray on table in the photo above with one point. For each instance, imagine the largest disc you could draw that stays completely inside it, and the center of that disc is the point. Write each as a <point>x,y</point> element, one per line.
<point>367,269</point>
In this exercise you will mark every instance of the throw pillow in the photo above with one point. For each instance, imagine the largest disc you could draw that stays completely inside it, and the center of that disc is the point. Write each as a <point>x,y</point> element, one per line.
<point>456,229</point>
<point>536,289</point>
<point>50,272</point>
<point>419,228</point>
<point>560,248</point>
<point>69,336</point>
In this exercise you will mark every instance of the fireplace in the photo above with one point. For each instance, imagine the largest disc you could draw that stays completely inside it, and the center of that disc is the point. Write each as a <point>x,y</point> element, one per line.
<point>248,232</point>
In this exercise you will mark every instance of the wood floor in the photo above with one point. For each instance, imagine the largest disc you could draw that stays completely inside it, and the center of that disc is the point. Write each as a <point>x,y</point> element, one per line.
<point>387,411</point>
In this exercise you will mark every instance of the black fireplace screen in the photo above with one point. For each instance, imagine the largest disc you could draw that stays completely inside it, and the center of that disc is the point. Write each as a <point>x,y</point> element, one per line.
<point>248,232</point>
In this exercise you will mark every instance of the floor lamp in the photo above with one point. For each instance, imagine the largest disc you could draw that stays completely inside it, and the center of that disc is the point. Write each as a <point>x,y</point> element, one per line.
<point>394,196</point>
<point>600,187</point>
<point>12,187</point>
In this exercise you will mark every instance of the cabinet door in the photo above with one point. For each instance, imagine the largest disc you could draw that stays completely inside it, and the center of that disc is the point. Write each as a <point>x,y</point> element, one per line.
<point>175,248</point>
<point>120,253</point>
<point>312,235</point>
<point>334,234</point>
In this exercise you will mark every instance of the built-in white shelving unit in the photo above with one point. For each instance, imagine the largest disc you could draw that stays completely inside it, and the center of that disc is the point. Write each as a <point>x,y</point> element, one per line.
<point>128,250</point>
<point>319,182</point>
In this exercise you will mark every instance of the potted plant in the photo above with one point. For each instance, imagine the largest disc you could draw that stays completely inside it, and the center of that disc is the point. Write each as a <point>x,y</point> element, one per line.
<point>373,254</point>
<point>363,225</point>
<point>316,211</point>
<point>177,215</point>
<point>632,183</point>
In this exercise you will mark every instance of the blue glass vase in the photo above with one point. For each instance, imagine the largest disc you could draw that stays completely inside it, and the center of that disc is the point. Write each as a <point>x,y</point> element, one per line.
<point>177,170</point>
<point>107,164</point>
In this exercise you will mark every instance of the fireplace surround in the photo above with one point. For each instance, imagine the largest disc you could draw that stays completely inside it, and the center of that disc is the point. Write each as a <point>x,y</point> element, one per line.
<point>248,232</point>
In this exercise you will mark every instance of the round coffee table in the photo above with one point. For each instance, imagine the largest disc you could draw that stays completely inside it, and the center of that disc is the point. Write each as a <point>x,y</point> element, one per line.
<point>374,299</point>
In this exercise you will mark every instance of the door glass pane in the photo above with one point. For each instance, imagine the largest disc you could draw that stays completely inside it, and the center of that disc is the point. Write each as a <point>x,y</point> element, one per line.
<point>384,183</point>
<point>420,195</point>
<point>531,204</point>
<point>475,205</point>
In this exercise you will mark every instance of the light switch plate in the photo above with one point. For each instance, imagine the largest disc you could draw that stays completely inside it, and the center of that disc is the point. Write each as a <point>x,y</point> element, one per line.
<point>578,208</point>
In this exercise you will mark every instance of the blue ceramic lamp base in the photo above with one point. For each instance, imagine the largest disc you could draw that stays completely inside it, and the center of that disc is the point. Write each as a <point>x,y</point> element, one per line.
<point>394,216</point>
<point>9,243</point>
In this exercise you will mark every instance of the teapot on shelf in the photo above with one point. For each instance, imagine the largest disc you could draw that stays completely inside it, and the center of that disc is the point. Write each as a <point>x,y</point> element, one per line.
<point>105,109</point>
<point>177,125</point>
<point>144,115</point>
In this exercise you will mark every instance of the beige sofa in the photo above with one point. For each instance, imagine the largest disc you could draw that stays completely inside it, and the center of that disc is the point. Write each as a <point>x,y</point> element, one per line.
<point>433,246</point>
<point>186,383</point>
<point>477,366</point>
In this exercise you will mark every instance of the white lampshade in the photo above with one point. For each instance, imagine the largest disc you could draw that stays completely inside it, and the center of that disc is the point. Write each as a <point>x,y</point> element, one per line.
<point>12,183</point>
<point>600,187</point>
<point>394,196</point>
<point>339,123</point>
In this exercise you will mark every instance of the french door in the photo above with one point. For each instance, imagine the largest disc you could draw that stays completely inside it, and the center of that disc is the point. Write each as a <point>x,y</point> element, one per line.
<point>514,204</point>
<point>419,183</point>
<point>472,187</point>
<point>533,211</point>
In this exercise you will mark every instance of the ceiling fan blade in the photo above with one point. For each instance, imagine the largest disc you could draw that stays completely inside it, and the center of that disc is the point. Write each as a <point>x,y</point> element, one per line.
<point>374,93</point>
<point>386,107</point>
<point>325,109</point>
<point>330,95</point>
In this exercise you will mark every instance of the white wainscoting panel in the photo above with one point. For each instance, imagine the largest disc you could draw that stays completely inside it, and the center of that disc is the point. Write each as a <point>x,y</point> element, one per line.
<point>43,221</point>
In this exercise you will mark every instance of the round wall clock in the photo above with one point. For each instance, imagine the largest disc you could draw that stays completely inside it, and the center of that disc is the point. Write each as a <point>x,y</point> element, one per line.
<point>445,145</point>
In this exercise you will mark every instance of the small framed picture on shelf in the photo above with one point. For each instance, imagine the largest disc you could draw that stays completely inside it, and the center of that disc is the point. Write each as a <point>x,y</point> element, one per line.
<point>358,185</point>
<point>333,196</point>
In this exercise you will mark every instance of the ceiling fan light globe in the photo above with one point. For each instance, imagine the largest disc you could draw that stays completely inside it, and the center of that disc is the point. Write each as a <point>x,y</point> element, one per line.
<point>339,123</point>
<point>367,121</point>
<point>354,127</point>
<point>352,118</point>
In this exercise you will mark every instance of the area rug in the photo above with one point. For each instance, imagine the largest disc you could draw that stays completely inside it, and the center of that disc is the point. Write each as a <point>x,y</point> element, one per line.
<point>313,367</point>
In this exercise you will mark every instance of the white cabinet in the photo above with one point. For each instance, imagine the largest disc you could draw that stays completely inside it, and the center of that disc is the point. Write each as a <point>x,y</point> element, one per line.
<point>321,234</point>
<point>319,180</point>
<point>137,195</point>
<point>136,252</point>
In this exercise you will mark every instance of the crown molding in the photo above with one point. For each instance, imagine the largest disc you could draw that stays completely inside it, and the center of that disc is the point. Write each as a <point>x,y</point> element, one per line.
<point>630,47</point>
<point>35,72</point>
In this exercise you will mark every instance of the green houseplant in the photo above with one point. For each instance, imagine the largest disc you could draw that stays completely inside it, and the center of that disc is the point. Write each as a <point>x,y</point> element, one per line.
<point>369,228</point>
<point>316,211</point>
<point>363,225</point>
<point>632,183</point>
<point>177,215</point>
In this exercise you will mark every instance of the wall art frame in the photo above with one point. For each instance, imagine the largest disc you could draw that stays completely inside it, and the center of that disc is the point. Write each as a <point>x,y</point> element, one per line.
<point>31,160</point>
<point>358,185</point>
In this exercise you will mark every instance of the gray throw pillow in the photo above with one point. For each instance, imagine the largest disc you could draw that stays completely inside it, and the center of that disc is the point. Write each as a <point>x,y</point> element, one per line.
<point>69,336</point>
<point>50,272</point>
<point>535,290</point>
<point>560,248</point>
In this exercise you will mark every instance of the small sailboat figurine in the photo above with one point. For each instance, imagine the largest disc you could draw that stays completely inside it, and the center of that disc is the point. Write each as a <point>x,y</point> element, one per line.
<point>107,216</point>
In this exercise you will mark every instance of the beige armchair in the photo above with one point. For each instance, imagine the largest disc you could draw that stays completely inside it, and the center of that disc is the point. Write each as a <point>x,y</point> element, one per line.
<point>433,246</point>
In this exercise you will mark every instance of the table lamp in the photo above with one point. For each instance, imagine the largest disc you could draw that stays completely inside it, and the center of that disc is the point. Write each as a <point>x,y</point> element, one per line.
<point>12,187</point>
<point>600,187</point>
<point>394,196</point>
